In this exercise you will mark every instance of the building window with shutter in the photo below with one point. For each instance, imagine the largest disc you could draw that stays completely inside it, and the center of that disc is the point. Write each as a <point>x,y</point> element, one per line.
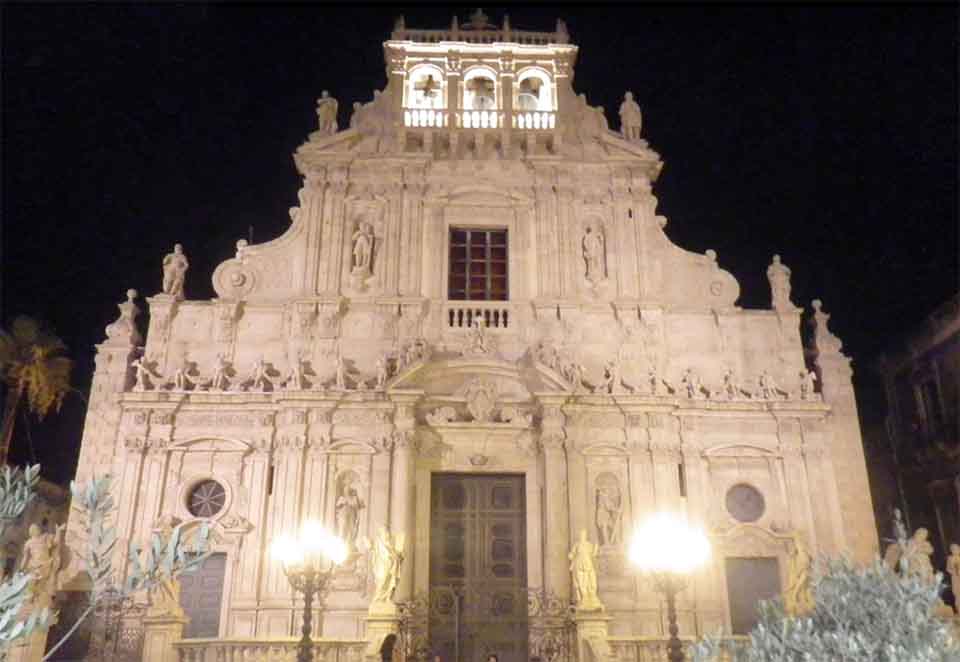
<point>478,265</point>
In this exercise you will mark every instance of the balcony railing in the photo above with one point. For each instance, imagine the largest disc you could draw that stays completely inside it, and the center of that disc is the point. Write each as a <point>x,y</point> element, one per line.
<point>533,120</point>
<point>496,315</point>
<point>279,649</point>
<point>481,36</point>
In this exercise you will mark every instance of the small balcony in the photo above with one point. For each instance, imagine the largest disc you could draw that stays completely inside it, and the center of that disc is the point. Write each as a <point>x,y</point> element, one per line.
<point>495,315</point>
<point>524,120</point>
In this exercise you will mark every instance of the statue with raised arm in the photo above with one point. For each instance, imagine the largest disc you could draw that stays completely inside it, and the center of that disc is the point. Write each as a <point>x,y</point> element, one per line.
<point>175,267</point>
<point>779,276</point>
<point>387,557</point>
<point>583,568</point>
<point>140,372</point>
<point>327,113</point>
<point>630,118</point>
<point>592,244</point>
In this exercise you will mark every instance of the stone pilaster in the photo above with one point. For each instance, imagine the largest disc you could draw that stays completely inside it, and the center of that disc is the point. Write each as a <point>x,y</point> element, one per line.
<point>403,486</point>
<point>556,539</point>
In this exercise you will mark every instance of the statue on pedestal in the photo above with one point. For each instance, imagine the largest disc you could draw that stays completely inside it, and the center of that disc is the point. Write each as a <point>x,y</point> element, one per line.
<point>630,118</point>
<point>219,380</point>
<point>583,567</point>
<point>387,557</point>
<point>808,379</point>
<point>141,371</point>
<point>327,113</point>
<point>258,376</point>
<point>175,267</point>
<point>779,276</point>
<point>383,368</point>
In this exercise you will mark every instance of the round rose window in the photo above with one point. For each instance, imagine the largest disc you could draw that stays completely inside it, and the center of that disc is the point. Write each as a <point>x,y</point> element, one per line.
<point>206,499</point>
<point>745,503</point>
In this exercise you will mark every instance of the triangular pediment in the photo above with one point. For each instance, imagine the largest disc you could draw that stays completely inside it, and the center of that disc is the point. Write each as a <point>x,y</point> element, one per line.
<point>514,381</point>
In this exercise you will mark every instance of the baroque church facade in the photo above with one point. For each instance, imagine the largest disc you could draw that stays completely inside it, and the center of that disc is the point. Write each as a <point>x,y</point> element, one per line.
<point>476,334</point>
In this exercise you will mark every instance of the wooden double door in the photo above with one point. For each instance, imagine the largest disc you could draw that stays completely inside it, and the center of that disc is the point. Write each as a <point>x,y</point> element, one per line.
<point>478,573</point>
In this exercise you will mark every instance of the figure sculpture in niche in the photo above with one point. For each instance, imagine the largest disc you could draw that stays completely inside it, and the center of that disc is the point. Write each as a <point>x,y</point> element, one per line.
<point>387,557</point>
<point>779,276</point>
<point>630,118</point>
<point>327,113</point>
<point>175,267</point>
<point>583,567</point>
<point>609,508</point>
<point>798,596</point>
<point>41,559</point>
<point>362,248</point>
<point>593,254</point>
<point>953,569</point>
<point>219,380</point>
<point>808,380</point>
<point>348,510</point>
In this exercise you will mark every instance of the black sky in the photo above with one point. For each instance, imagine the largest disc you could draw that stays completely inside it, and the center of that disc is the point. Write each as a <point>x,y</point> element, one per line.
<point>827,134</point>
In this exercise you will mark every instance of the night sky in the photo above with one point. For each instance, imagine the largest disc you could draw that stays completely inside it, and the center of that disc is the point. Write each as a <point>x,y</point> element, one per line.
<point>827,134</point>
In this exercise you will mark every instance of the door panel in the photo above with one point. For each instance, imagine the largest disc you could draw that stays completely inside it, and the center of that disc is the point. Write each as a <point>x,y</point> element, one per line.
<point>201,595</point>
<point>478,574</point>
<point>750,580</point>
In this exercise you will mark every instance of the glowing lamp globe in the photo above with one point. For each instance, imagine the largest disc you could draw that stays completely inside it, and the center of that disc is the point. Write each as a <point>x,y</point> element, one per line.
<point>665,543</point>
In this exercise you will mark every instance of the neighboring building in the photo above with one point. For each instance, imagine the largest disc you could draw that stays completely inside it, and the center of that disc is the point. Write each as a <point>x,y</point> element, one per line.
<point>477,333</point>
<point>915,463</point>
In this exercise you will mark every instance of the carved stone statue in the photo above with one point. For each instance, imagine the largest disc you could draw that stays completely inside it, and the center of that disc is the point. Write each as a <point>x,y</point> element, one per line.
<point>692,386</point>
<point>916,557</point>
<point>798,596</point>
<point>609,509</point>
<point>953,569</point>
<point>583,568</point>
<point>258,376</point>
<point>477,342</point>
<point>630,118</point>
<point>294,380</point>
<point>387,557</point>
<point>768,389</point>
<point>348,510</point>
<point>181,377</point>
<point>327,113</point>
<point>593,255</point>
<point>383,367</point>
<point>341,374</point>
<point>175,267</point>
<point>779,276</point>
<point>808,379</point>
<point>219,380</point>
<point>164,596</point>
<point>362,248</point>
<point>41,559</point>
<point>141,372</point>
<point>612,380</point>
<point>732,389</point>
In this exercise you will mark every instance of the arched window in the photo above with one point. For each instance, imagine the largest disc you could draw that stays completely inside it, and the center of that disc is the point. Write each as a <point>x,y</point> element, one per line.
<point>533,90</point>
<point>426,88</point>
<point>480,89</point>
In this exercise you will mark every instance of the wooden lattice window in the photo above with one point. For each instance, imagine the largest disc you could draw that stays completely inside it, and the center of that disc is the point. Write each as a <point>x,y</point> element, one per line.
<point>478,265</point>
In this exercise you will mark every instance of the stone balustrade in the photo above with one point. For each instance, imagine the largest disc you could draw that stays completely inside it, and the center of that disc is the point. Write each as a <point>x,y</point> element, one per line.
<point>534,120</point>
<point>434,118</point>
<point>279,649</point>
<point>480,37</point>
<point>496,315</point>
<point>654,649</point>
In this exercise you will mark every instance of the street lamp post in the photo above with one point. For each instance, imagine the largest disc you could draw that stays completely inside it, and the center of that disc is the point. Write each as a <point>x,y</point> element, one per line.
<point>667,550</point>
<point>309,562</point>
